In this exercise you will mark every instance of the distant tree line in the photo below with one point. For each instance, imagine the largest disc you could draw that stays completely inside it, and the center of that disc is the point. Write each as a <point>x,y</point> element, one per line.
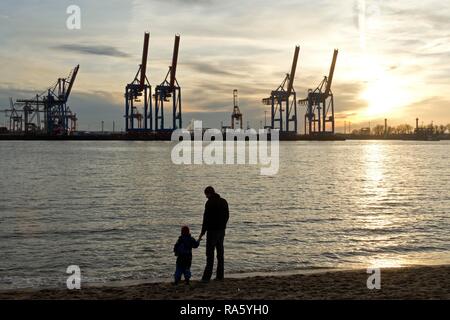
<point>402,129</point>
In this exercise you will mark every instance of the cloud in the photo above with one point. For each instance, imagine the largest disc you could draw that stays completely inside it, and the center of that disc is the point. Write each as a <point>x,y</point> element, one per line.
<point>189,2</point>
<point>347,98</point>
<point>208,68</point>
<point>16,93</point>
<point>93,107</point>
<point>343,116</point>
<point>431,15</point>
<point>233,44</point>
<point>93,49</point>
<point>434,108</point>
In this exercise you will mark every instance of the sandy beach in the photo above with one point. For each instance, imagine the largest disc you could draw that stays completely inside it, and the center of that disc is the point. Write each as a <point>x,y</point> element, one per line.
<point>430,282</point>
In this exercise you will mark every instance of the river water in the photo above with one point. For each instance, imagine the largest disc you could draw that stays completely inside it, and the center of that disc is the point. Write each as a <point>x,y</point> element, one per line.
<point>115,209</point>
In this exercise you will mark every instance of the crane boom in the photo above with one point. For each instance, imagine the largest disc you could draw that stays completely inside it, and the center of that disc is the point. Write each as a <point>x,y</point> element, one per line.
<point>72,81</point>
<point>330,76</point>
<point>293,69</point>
<point>144,61</point>
<point>173,68</point>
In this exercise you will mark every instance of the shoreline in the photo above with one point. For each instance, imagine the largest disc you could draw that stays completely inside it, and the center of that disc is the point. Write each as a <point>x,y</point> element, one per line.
<point>166,136</point>
<point>411,282</point>
<point>168,280</point>
<point>231,276</point>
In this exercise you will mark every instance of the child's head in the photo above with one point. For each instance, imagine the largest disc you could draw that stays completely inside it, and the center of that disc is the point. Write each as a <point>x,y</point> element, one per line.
<point>185,231</point>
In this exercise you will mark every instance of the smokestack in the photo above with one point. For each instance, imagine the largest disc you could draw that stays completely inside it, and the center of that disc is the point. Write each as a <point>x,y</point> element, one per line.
<point>385,127</point>
<point>417,123</point>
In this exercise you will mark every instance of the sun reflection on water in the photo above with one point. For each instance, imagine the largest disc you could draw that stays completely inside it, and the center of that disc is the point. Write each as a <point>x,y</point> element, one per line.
<point>391,262</point>
<point>373,160</point>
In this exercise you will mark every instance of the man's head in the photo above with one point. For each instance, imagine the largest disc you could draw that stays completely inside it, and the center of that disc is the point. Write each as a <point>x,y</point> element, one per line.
<point>209,192</point>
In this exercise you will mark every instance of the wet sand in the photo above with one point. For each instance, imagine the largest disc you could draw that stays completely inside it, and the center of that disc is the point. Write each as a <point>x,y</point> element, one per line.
<point>431,282</point>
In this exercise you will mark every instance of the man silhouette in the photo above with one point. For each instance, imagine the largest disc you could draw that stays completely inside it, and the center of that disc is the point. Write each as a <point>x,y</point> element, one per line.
<point>215,220</point>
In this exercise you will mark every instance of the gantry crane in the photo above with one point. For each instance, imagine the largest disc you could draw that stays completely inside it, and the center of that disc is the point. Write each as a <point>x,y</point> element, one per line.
<point>139,90</point>
<point>167,90</point>
<point>236,116</point>
<point>281,102</point>
<point>15,119</point>
<point>320,105</point>
<point>25,114</point>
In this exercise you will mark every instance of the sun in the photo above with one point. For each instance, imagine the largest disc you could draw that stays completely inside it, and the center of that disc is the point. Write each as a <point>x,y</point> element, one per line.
<point>385,92</point>
<point>384,97</point>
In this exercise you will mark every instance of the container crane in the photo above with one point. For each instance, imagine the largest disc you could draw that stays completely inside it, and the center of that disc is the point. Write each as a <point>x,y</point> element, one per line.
<point>236,116</point>
<point>281,102</point>
<point>320,105</point>
<point>136,92</point>
<point>58,118</point>
<point>169,90</point>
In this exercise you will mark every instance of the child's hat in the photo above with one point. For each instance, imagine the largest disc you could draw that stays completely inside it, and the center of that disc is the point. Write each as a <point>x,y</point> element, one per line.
<point>185,230</point>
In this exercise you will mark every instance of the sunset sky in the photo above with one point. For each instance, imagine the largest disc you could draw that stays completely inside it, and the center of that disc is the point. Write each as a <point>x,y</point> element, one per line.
<point>394,56</point>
